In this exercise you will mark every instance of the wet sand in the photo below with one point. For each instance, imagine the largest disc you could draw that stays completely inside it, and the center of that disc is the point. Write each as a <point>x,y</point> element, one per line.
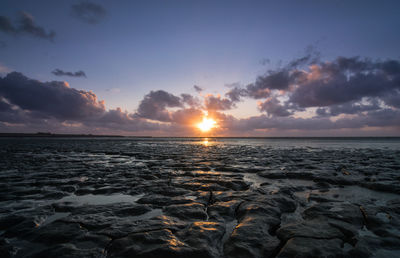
<point>191,198</point>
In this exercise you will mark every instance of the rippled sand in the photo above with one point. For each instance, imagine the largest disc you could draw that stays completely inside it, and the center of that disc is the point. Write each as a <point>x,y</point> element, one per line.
<point>196,198</point>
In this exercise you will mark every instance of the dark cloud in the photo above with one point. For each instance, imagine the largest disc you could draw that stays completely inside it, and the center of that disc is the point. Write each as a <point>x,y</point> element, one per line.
<point>4,106</point>
<point>7,26</point>
<point>212,103</point>
<point>378,118</point>
<point>119,120</point>
<point>265,61</point>
<point>198,88</point>
<point>235,94</point>
<point>334,87</point>
<point>190,100</point>
<point>154,105</point>
<point>328,83</point>
<point>59,72</point>
<point>186,116</point>
<point>280,78</point>
<point>180,112</point>
<point>29,104</point>
<point>322,112</point>
<point>392,99</point>
<point>25,25</point>
<point>345,80</point>
<point>49,99</point>
<point>273,80</point>
<point>349,108</point>
<point>89,12</point>
<point>54,106</point>
<point>273,107</point>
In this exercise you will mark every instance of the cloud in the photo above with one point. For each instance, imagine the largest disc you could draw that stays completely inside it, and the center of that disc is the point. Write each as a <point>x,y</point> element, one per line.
<point>304,97</point>
<point>49,99</point>
<point>333,87</point>
<point>114,90</point>
<point>59,72</point>
<point>392,99</point>
<point>381,118</point>
<point>154,105</point>
<point>25,25</point>
<point>274,80</point>
<point>281,78</point>
<point>190,100</point>
<point>213,103</point>
<point>349,108</point>
<point>119,120</point>
<point>198,88</point>
<point>4,105</point>
<point>235,94</point>
<point>88,12</point>
<point>273,107</point>
<point>345,80</point>
<point>6,25</point>
<point>186,116</point>
<point>28,105</point>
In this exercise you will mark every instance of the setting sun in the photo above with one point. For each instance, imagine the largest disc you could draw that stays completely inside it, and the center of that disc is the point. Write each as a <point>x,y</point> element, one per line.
<point>207,124</point>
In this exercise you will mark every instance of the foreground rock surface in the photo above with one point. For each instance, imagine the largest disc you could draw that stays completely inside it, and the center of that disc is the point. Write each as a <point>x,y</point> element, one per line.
<point>181,198</point>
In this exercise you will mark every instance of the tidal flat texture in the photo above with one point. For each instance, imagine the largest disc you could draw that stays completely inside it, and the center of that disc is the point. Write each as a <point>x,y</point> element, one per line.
<point>193,198</point>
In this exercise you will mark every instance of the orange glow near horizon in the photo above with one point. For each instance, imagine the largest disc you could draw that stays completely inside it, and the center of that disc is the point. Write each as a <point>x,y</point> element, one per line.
<point>207,124</point>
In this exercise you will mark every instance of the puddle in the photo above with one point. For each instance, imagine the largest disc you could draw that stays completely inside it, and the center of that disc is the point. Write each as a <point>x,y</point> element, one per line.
<point>40,222</point>
<point>273,185</point>
<point>254,179</point>
<point>148,215</point>
<point>191,197</point>
<point>356,194</point>
<point>91,199</point>
<point>229,227</point>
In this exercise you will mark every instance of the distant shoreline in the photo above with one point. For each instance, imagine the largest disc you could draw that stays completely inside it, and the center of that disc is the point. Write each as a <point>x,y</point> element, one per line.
<point>46,135</point>
<point>55,135</point>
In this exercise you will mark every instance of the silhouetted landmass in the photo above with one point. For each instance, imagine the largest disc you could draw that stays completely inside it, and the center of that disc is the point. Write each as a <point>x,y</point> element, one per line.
<point>41,134</point>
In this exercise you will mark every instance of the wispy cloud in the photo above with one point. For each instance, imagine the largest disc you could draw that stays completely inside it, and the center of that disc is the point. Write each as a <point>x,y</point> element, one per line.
<point>88,12</point>
<point>198,89</point>
<point>25,25</point>
<point>59,72</point>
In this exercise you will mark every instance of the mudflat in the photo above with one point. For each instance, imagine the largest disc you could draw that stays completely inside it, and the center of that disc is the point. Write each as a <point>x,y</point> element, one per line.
<point>191,197</point>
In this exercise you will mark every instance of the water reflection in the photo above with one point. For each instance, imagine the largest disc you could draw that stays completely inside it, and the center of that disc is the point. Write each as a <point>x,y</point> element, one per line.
<point>205,142</point>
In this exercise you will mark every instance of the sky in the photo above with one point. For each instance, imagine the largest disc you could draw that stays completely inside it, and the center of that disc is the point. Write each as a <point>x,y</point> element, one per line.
<point>157,68</point>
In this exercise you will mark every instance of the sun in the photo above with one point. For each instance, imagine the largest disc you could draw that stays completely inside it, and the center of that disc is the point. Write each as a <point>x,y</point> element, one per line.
<point>207,124</point>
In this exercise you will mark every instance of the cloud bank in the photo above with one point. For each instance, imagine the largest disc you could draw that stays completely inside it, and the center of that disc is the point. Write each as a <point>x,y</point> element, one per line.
<point>344,96</point>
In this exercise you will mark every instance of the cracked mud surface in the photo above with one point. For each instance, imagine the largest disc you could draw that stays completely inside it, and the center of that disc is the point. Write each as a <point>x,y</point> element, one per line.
<point>188,198</point>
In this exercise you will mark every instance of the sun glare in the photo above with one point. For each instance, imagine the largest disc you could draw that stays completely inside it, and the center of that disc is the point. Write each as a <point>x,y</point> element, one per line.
<point>207,124</point>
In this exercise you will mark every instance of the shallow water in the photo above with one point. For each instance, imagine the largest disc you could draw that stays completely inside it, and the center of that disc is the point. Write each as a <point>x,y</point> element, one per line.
<point>198,196</point>
<point>91,199</point>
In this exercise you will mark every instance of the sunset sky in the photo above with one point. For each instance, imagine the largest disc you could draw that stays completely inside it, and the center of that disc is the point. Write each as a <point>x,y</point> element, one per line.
<point>256,68</point>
